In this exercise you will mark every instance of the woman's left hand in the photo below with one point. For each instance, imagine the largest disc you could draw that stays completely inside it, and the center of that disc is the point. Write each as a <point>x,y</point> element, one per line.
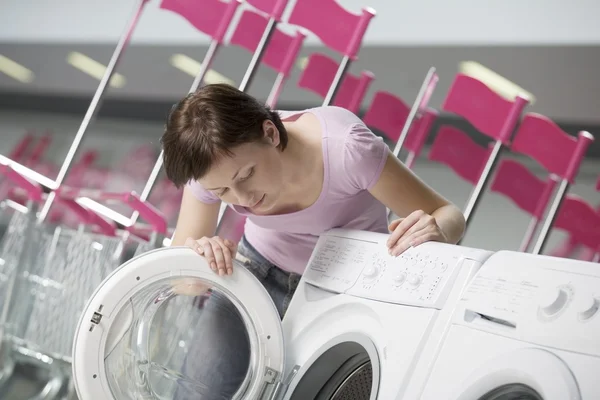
<point>417,228</point>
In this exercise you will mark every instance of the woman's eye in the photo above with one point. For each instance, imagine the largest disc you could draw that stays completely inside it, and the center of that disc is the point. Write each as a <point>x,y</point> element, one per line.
<point>222,192</point>
<point>249,175</point>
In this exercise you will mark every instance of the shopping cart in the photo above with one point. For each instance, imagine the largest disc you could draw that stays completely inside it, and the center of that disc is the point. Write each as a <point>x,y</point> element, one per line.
<point>51,270</point>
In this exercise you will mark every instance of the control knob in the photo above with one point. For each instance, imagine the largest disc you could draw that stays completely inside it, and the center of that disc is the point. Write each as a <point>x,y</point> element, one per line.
<point>589,309</point>
<point>415,280</point>
<point>554,301</point>
<point>370,272</point>
<point>399,279</point>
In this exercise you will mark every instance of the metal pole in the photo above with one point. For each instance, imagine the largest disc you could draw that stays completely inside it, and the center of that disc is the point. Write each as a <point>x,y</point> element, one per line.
<point>552,214</point>
<point>276,90</point>
<point>483,182</point>
<point>92,109</point>
<point>531,228</point>
<point>414,110</point>
<point>258,54</point>
<point>210,55</point>
<point>337,80</point>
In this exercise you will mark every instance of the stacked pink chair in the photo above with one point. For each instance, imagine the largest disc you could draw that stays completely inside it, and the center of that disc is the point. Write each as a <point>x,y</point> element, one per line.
<point>582,222</point>
<point>345,36</point>
<point>319,75</point>
<point>493,116</point>
<point>212,17</point>
<point>281,50</point>
<point>390,115</point>
<point>559,153</point>
<point>573,244</point>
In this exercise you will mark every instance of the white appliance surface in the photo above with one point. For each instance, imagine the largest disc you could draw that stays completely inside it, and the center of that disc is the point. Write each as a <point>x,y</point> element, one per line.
<point>527,321</point>
<point>352,291</point>
<point>352,286</point>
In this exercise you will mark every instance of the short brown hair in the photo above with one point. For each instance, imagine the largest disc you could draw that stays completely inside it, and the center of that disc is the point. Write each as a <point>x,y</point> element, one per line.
<point>208,124</point>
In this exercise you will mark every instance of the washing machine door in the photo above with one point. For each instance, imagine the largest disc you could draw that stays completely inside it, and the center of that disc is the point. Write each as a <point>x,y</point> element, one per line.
<point>164,326</point>
<point>525,374</point>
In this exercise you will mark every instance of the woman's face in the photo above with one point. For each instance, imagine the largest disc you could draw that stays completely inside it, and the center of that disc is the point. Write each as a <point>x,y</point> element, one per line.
<point>252,177</point>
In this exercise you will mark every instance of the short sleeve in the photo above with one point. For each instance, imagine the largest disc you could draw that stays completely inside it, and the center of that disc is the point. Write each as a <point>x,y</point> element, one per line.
<point>365,155</point>
<point>202,194</point>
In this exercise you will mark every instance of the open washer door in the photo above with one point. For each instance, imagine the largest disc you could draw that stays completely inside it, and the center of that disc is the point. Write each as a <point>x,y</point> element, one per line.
<point>154,323</point>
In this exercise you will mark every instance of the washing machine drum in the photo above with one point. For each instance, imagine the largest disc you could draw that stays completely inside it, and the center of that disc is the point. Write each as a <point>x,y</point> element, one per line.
<point>154,330</point>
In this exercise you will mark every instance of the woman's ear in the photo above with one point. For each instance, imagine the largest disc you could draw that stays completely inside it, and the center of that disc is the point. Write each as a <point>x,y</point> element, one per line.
<point>271,133</point>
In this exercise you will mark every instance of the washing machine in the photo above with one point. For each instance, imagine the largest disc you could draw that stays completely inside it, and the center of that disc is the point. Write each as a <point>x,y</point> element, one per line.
<point>527,327</point>
<point>357,325</point>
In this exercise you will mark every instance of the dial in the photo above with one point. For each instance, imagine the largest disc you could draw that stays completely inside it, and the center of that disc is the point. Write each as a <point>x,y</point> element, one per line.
<point>370,272</point>
<point>589,309</point>
<point>399,279</point>
<point>554,301</point>
<point>415,280</point>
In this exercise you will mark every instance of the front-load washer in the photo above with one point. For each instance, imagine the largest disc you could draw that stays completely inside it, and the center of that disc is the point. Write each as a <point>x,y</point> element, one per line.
<point>527,327</point>
<point>355,328</point>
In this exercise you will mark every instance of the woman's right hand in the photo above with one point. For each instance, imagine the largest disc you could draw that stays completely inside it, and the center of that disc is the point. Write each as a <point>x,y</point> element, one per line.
<point>219,252</point>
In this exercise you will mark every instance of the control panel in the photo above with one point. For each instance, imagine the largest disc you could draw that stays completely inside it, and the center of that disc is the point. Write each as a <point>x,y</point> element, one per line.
<point>358,263</point>
<point>545,300</point>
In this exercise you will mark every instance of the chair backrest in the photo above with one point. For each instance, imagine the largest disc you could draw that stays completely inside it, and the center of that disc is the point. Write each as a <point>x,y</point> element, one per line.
<point>580,220</point>
<point>457,150</point>
<point>319,73</point>
<point>526,190</point>
<point>493,115</point>
<point>282,49</point>
<point>388,113</point>
<point>558,152</point>
<point>211,17</point>
<point>488,112</point>
<point>337,28</point>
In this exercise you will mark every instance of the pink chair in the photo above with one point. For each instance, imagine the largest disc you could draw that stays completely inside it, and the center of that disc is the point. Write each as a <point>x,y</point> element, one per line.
<point>337,28</point>
<point>393,117</point>
<point>280,54</point>
<point>579,219</point>
<point>559,153</point>
<point>264,34</point>
<point>319,75</point>
<point>491,115</point>
<point>389,113</point>
<point>212,17</point>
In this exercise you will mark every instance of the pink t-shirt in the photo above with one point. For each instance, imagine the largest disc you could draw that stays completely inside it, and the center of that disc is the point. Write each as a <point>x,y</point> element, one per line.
<point>353,160</point>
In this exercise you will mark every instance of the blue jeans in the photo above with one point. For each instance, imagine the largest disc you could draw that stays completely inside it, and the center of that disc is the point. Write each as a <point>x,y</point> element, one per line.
<point>220,356</point>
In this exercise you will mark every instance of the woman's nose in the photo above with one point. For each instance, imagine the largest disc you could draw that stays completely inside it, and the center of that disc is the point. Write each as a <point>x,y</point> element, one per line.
<point>245,199</point>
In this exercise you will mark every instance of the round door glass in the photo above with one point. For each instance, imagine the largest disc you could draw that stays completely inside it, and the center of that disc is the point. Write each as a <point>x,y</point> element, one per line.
<point>179,338</point>
<point>515,391</point>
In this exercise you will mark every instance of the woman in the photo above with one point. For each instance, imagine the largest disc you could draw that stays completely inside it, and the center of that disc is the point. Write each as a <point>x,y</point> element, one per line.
<point>294,175</point>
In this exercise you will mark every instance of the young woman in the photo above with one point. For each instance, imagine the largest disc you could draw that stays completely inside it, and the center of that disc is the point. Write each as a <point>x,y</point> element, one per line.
<point>294,175</point>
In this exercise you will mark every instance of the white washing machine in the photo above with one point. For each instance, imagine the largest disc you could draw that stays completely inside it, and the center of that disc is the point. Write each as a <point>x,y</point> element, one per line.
<point>355,328</point>
<point>528,328</point>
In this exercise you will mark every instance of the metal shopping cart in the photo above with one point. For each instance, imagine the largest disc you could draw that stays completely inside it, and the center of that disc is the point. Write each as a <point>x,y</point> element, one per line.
<point>51,270</point>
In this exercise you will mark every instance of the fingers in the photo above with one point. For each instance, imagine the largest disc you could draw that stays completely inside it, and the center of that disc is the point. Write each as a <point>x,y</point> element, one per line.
<point>224,259</point>
<point>403,226</point>
<point>218,252</point>
<point>412,239</point>
<point>194,245</point>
